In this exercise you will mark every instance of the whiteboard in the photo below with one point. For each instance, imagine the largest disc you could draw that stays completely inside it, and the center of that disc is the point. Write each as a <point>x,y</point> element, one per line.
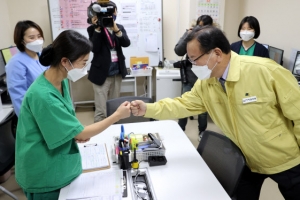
<point>142,20</point>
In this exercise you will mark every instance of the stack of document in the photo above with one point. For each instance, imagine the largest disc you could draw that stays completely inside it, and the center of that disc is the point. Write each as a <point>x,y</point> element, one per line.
<point>98,185</point>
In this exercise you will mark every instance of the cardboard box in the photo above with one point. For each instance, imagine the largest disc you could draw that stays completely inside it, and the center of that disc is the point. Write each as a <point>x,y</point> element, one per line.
<point>139,62</point>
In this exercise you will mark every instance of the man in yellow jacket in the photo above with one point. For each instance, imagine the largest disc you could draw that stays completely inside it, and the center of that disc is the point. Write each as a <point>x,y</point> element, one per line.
<point>258,108</point>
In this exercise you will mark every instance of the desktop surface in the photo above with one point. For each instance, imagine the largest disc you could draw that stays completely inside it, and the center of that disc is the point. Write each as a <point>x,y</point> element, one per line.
<point>185,176</point>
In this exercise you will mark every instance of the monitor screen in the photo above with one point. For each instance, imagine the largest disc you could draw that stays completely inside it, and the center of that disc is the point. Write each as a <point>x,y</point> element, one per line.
<point>2,65</point>
<point>266,45</point>
<point>7,53</point>
<point>296,68</point>
<point>276,54</point>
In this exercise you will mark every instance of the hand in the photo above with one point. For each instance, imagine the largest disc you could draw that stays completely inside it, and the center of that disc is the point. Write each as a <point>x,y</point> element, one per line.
<point>138,108</point>
<point>115,28</point>
<point>190,30</point>
<point>94,21</point>
<point>81,141</point>
<point>124,110</point>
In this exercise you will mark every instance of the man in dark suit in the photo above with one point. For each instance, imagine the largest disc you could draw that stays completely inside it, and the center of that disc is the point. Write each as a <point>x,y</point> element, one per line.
<point>108,65</point>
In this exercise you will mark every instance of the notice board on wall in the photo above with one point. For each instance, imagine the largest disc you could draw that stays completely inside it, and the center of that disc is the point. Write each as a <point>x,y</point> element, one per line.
<point>142,20</point>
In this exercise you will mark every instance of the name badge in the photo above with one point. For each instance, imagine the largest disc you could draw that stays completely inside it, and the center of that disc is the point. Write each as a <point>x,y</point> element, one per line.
<point>114,56</point>
<point>249,100</point>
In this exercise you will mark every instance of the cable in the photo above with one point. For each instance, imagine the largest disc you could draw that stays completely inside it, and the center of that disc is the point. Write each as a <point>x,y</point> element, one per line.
<point>135,189</point>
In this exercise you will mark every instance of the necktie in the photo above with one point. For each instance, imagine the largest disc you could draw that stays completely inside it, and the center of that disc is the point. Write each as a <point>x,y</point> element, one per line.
<point>222,81</point>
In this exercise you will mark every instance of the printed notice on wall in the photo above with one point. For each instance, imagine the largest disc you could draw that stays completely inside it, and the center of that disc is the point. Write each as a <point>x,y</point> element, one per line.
<point>151,44</point>
<point>128,17</point>
<point>73,13</point>
<point>209,7</point>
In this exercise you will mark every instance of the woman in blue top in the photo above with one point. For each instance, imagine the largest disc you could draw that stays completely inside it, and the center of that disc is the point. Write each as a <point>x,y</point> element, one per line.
<point>24,67</point>
<point>248,31</point>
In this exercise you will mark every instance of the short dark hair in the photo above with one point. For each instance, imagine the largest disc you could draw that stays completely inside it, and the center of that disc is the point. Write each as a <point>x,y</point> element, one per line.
<point>253,23</point>
<point>206,19</point>
<point>209,38</point>
<point>19,32</point>
<point>69,44</point>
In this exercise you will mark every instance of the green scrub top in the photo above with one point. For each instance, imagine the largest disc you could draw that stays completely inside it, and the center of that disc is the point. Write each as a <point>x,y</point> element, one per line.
<point>249,52</point>
<point>47,156</point>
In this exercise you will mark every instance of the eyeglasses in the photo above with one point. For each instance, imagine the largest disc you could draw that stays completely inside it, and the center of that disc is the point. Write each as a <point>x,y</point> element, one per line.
<point>194,61</point>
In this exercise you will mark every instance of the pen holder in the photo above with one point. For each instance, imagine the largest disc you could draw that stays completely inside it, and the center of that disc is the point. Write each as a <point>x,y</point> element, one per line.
<point>124,160</point>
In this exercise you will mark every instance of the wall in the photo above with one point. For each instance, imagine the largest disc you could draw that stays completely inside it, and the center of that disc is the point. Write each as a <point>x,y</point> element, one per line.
<point>13,11</point>
<point>232,19</point>
<point>278,29</point>
<point>6,33</point>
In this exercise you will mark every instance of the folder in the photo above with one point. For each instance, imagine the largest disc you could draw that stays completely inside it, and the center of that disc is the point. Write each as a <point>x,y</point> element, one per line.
<point>94,157</point>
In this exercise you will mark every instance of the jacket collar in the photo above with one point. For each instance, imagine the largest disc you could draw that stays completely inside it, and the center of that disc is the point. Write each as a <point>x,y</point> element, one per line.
<point>234,71</point>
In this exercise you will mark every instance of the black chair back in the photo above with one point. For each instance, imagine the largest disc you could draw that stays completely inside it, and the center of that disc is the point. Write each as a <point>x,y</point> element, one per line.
<point>113,104</point>
<point>224,158</point>
<point>7,145</point>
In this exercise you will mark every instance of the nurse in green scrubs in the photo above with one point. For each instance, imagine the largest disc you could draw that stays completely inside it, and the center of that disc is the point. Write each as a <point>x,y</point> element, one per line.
<point>248,31</point>
<point>47,156</point>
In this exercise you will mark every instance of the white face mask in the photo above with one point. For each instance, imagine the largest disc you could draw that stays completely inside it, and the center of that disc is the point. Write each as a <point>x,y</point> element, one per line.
<point>246,35</point>
<point>35,46</point>
<point>75,74</point>
<point>203,72</point>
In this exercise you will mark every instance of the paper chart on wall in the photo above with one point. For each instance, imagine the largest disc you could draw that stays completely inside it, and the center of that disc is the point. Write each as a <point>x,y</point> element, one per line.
<point>209,7</point>
<point>73,13</point>
<point>151,44</point>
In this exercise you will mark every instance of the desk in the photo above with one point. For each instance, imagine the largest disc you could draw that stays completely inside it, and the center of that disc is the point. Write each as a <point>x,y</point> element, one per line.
<point>185,176</point>
<point>5,112</point>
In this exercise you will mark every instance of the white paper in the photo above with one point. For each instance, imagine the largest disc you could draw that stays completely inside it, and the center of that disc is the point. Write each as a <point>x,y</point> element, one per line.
<point>151,43</point>
<point>97,185</point>
<point>93,156</point>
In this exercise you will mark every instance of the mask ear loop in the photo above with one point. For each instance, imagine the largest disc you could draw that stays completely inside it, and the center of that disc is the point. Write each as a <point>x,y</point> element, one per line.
<point>208,60</point>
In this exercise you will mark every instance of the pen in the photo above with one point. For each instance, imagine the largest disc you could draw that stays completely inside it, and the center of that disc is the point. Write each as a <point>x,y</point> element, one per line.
<point>89,145</point>
<point>122,133</point>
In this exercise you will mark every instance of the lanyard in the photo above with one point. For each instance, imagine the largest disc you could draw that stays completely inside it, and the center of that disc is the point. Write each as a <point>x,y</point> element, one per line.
<point>108,36</point>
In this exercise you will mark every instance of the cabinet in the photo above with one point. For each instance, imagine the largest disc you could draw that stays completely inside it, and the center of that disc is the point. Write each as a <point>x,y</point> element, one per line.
<point>168,83</point>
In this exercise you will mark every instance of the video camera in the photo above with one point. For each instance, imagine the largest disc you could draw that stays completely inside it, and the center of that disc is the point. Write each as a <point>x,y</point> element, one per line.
<point>104,10</point>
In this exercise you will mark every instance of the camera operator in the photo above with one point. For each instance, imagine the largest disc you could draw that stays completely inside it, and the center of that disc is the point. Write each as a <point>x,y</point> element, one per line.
<point>108,65</point>
<point>191,78</point>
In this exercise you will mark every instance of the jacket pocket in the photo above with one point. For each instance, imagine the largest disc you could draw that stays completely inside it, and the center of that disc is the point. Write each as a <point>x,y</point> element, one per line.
<point>276,147</point>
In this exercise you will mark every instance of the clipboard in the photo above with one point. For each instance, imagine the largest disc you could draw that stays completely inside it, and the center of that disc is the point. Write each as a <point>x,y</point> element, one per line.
<point>93,157</point>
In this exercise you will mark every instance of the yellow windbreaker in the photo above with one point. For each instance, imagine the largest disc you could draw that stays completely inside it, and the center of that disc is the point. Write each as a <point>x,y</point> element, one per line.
<point>257,113</point>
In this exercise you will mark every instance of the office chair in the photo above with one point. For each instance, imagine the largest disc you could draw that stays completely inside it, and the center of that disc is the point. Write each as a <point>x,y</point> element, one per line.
<point>224,159</point>
<point>113,104</point>
<point>7,149</point>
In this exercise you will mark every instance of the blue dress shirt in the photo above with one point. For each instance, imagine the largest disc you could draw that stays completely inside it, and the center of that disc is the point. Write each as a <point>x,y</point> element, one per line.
<point>21,71</point>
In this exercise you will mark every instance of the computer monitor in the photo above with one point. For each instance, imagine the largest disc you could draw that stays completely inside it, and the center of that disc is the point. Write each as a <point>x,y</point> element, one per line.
<point>266,45</point>
<point>296,67</point>
<point>276,54</point>
<point>8,53</point>
<point>2,66</point>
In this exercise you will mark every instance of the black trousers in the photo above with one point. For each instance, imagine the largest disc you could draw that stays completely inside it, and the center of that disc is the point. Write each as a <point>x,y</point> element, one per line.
<point>288,183</point>
<point>202,118</point>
